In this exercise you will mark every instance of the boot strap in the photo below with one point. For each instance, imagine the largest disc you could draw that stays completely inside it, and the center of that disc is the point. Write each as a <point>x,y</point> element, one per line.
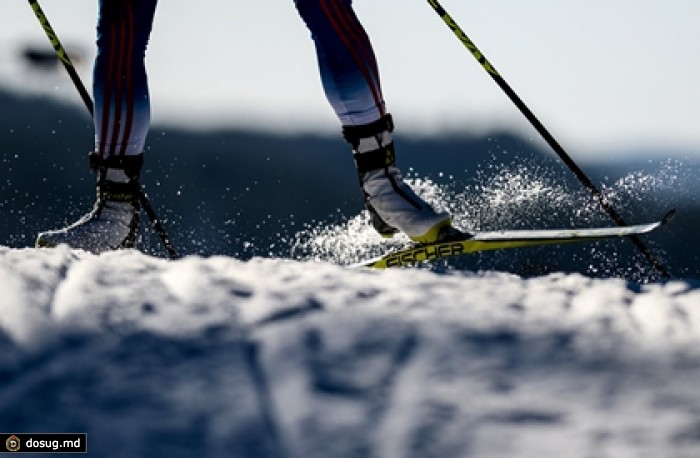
<point>374,160</point>
<point>128,191</point>
<point>119,192</point>
<point>379,158</point>
<point>130,164</point>
<point>353,134</point>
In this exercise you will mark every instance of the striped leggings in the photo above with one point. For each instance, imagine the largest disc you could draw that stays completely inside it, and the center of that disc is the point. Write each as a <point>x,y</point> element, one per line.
<point>346,63</point>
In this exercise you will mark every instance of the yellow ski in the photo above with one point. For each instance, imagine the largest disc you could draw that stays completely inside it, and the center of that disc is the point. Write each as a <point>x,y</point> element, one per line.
<point>501,240</point>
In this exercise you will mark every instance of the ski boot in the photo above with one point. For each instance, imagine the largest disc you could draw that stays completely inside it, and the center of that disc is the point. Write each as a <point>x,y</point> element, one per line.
<point>393,206</point>
<point>113,222</point>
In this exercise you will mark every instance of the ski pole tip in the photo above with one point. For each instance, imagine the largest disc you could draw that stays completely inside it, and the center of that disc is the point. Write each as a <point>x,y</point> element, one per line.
<point>669,216</point>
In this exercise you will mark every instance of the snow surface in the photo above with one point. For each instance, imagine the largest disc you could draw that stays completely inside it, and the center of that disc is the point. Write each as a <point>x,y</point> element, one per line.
<point>279,358</point>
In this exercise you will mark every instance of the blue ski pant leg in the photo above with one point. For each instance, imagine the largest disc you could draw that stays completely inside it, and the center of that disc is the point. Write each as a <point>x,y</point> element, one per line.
<point>346,60</point>
<point>120,86</point>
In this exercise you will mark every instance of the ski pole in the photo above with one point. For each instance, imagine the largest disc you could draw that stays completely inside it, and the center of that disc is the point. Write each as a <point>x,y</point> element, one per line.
<point>68,64</point>
<point>62,54</point>
<point>542,130</point>
<point>157,226</point>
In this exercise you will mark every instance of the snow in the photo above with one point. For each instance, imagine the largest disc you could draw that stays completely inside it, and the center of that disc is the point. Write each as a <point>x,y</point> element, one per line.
<point>270,357</point>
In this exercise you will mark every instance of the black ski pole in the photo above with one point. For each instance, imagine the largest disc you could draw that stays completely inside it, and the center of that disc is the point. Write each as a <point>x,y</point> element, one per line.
<point>68,64</point>
<point>157,226</point>
<point>551,141</point>
<point>62,54</point>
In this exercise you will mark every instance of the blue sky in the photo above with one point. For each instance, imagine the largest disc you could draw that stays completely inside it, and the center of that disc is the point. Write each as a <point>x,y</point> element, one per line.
<point>602,75</point>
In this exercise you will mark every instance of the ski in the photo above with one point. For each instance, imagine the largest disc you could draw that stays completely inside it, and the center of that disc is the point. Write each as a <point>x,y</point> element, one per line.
<point>501,240</point>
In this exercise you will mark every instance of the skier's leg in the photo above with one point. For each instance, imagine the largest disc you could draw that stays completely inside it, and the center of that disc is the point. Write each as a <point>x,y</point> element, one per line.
<point>348,67</point>
<point>350,78</point>
<point>120,86</point>
<point>122,118</point>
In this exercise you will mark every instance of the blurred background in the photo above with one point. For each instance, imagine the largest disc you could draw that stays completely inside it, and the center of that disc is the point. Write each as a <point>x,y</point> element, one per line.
<point>245,151</point>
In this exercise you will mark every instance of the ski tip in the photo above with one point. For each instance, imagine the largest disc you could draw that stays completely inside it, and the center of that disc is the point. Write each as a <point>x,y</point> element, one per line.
<point>669,216</point>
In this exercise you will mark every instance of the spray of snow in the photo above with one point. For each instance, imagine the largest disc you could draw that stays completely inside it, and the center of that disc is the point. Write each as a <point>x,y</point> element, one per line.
<point>520,195</point>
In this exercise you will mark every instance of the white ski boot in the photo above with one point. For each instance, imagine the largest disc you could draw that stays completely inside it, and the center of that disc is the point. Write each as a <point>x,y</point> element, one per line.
<point>392,204</point>
<point>113,222</point>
